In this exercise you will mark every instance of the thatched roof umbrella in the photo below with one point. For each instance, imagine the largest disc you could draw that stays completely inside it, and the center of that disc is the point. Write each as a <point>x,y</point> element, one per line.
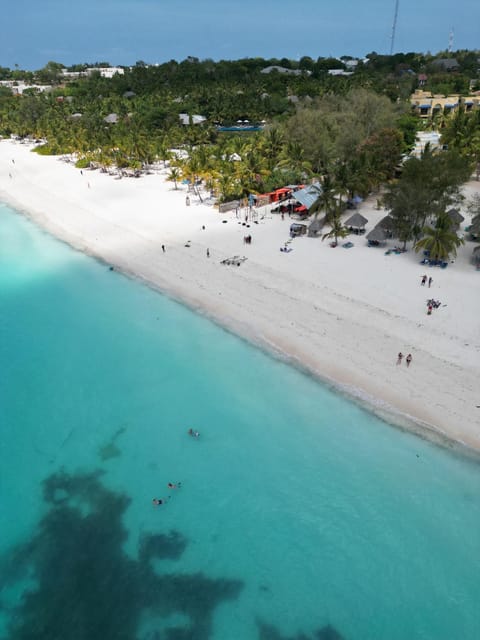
<point>315,227</point>
<point>455,216</point>
<point>476,255</point>
<point>387,223</point>
<point>474,229</point>
<point>377,234</point>
<point>357,221</point>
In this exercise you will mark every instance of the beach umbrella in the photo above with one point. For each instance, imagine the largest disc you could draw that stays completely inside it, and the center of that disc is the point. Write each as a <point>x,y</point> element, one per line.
<point>455,216</point>
<point>387,223</point>
<point>357,220</point>
<point>377,234</point>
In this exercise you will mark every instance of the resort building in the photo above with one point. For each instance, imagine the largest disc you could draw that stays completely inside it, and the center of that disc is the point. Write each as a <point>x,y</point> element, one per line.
<point>17,87</point>
<point>105,72</point>
<point>186,118</point>
<point>339,72</point>
<point>285,71</point>
<point>427,105</point>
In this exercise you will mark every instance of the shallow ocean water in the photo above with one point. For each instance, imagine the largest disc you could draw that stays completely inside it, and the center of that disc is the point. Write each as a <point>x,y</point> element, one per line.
<point>298,511</point>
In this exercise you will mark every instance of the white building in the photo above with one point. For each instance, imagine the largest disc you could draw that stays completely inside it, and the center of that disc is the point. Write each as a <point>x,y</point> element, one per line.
<point>17,87</point>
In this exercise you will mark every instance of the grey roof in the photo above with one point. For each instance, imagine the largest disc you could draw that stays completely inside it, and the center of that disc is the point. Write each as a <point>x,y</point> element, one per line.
<point>446,63</point>
<point>315,226</point>
<point>129,94</point>
<point>455,216</point>
<point>291,72</point>
<point>309,195</point>
<point>112,118</point>
<point>377,234</point>
<point>476,254</point>
<point>387,223</point>
<point>357,220</point>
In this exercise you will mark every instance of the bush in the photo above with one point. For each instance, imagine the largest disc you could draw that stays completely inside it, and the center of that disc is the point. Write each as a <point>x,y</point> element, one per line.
<point>47,150</point>
<point>82,163</point>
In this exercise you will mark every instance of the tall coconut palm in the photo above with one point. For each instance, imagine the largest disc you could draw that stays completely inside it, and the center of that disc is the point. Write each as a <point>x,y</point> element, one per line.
<point>337,230</point>
<point>326,197</point>
<point>174,176</point>
<point>292,157</point>
<point>441,241</point>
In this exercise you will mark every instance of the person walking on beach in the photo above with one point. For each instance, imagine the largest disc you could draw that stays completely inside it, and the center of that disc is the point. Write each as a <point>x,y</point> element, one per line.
<point>400,357</point>
<point>430,280</point>
<point>424,279</point>
<point>174,485</point>
<point>429,309</point>
<point>408,359</point>
<point>163,248</point>
<point>187,201</point>
<point>208,253</point>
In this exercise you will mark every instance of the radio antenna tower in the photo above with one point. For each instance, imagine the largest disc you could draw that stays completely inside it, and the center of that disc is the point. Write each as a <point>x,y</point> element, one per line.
<point>450,41</point>
<point>394,27</point>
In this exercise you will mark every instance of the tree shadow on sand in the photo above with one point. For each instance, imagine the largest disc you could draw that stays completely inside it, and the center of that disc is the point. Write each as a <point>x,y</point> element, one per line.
<point>87,587</point>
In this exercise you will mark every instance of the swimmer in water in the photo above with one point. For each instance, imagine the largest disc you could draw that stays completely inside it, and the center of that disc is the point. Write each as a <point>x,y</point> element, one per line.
<point>193,433</point>
<point>174,485</point>
<point>157,502</point>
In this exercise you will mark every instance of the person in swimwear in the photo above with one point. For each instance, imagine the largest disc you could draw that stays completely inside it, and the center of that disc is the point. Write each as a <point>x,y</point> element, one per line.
<point>174,485</point>
<point>157,502</point>
<point>193,433</point>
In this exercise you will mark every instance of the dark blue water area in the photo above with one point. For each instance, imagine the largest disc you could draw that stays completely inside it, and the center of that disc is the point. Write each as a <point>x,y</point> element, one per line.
<point>298,515</point>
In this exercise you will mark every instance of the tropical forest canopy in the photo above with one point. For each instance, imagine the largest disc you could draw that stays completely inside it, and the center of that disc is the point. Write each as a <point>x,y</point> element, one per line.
<point>347,131</point>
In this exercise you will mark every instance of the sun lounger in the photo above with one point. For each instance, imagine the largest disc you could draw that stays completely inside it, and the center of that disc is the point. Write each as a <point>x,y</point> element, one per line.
<point>347,245</point>
<point>235,260</point>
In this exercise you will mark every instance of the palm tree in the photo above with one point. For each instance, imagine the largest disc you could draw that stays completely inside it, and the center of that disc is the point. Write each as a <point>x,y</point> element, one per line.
<point>441,241</point>
<point>326,197</point>
<point>337,230</point>
<point>292,157</point>
<point>173,176</point>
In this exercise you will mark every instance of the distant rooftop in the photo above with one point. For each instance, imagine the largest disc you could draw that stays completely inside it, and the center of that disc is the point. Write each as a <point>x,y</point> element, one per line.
<point>284,70</point>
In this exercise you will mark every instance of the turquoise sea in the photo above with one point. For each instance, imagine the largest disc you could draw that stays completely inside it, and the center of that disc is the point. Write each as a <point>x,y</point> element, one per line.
<point>300,516</point>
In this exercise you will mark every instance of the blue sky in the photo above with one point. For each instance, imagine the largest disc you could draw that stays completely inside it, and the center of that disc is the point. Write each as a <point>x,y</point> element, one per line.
<point>124,31</point>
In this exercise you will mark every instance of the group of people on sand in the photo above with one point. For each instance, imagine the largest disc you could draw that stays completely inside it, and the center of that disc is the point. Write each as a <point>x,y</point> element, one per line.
<point>158,502</point>
<point>408,359</point>
<point>432,304</point>
<point>425,279</point>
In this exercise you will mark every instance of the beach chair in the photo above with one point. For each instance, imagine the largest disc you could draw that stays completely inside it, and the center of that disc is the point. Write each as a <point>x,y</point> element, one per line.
<point>348,245</point>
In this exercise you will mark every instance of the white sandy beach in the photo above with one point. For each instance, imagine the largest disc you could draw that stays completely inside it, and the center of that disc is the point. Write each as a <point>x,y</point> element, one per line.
<point>343,314</point>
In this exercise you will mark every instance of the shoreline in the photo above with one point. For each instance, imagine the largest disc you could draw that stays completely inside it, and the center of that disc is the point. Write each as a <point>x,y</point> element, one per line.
<point>323,327</point>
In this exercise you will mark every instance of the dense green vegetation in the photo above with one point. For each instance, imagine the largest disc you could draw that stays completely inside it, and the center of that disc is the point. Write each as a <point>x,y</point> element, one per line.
<point>349,132</point>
